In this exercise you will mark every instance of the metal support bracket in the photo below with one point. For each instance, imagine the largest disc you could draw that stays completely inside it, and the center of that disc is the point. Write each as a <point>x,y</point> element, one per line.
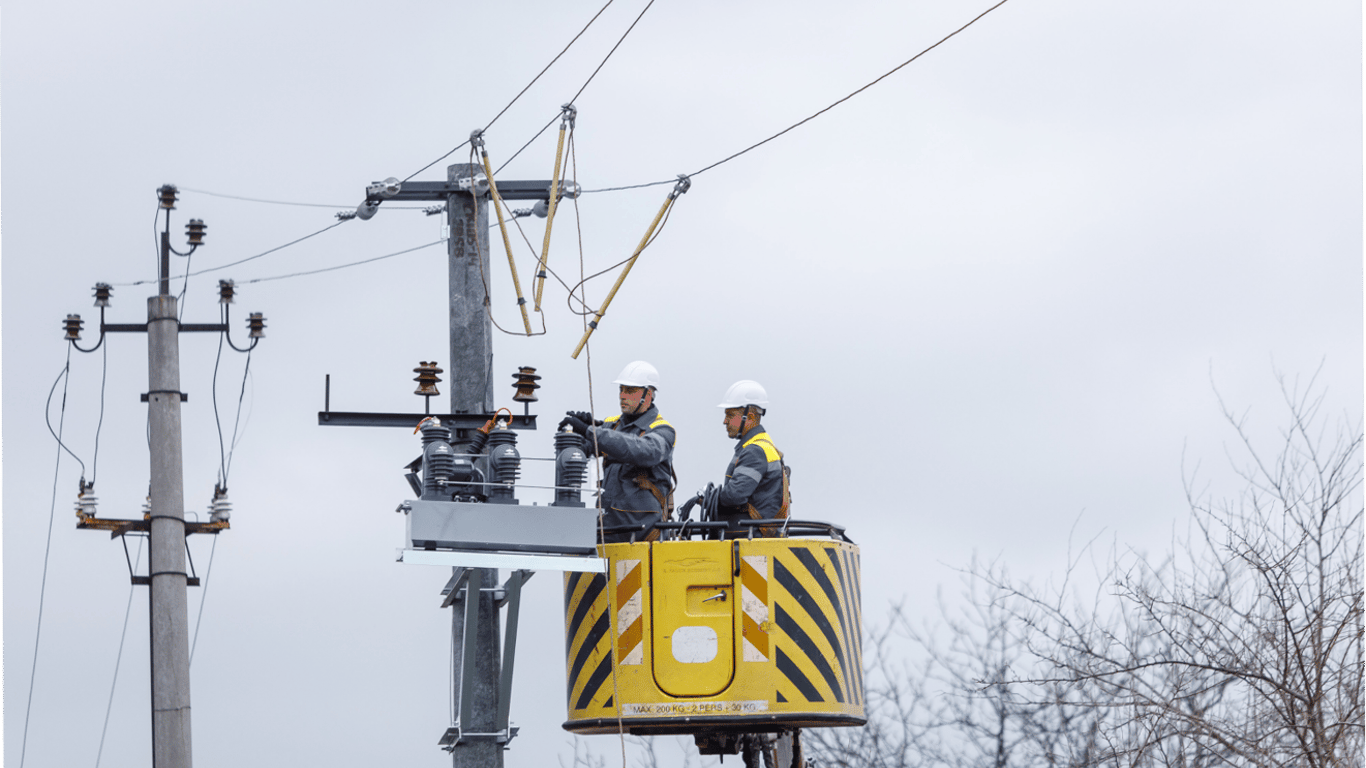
<point>453,737</point>
<point>509,594</point>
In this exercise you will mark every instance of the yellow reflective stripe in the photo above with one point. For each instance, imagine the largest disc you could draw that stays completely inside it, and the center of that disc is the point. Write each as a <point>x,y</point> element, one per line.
<point>611,419</point>
<point>763,441</point>
<point>660,422</point>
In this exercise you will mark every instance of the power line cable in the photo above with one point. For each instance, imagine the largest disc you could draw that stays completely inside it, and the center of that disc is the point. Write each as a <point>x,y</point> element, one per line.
<point>609,53</point>
<point>519,93</point>
<point>632,186</point>
<point>47,549</point>
<point>524,146</point>
<point>342,266</point>
<point>287,202</point>
<point>855,93</point>
<point>815,115</point>
<point>242,261</point>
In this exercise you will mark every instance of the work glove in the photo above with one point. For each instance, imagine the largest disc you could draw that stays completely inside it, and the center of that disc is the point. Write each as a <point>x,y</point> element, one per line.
<point>575,423</point>
<point>586,418</point>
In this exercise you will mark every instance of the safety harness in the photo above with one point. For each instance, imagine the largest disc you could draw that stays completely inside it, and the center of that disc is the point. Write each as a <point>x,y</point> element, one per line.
<point>771,453</point>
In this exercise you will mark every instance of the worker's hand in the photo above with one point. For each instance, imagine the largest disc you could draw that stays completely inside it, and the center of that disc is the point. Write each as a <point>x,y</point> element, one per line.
<point>488,426</point>
<point>585,417</point>
<point>575,423</point>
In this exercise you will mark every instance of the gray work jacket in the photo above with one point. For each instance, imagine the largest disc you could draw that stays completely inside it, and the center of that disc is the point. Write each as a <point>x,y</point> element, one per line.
<point>634,446</point>
<point>755,476</point>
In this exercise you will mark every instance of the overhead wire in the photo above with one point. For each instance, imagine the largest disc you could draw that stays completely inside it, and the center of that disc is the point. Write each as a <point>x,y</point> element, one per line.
<point>342,266</point>
<point>47,549</point>
<point>813,116</point>
<point>603,63</point>
<point>891,72</point>
<point>519,93</point>
<point>243,261</point>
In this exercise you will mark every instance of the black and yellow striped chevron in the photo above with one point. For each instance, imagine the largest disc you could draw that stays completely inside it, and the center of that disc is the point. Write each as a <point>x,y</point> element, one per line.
<point>587,639</point>
<point>818,653</point>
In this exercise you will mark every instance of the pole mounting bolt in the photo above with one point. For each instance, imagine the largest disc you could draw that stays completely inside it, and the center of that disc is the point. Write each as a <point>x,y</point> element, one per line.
<point>102,291</point>
<point>167,193</point>
<point>256,326</point>
<point>73,325</point>
<point>194,231</point>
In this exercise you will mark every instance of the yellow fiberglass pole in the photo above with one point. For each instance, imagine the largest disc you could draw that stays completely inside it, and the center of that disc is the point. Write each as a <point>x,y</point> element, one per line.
<point>679,188</point>
<point>503,227</point>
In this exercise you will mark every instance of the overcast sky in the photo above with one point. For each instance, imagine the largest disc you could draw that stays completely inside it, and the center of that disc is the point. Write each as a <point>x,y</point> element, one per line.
<point>992,298</point>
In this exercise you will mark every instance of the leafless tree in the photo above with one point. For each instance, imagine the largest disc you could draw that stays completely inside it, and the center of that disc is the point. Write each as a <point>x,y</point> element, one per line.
<point>944,693</point>
<point>1242,646</point>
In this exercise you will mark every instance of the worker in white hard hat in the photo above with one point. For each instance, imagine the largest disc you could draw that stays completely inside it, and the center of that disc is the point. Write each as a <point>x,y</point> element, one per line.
<point>638,447</point>
<point>756,486</point>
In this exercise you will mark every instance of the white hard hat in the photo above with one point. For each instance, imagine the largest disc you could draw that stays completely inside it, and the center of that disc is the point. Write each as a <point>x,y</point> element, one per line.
<point>743,393</point>
<point>639,374</point>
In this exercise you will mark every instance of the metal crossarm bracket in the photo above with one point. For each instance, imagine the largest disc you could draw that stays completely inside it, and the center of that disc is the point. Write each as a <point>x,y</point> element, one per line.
<point>508,190</point>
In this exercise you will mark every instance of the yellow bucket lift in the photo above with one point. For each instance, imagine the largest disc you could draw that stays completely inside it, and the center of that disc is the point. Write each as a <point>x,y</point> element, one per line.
<point>717,637</point>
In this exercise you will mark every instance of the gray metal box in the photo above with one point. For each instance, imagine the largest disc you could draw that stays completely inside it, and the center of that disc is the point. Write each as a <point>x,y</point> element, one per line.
<point>501,528</point>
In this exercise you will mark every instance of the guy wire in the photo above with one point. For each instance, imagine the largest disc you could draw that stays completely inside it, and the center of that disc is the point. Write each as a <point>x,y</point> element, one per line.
<point>118,659</point>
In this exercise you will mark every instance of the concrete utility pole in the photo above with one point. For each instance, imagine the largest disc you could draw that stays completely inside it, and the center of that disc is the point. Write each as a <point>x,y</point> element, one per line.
<point>170,637</point>
<point>472,392</point>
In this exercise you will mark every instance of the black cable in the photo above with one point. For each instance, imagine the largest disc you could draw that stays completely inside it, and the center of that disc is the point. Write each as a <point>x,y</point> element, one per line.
<point>47,410</point>
<point>213,396</point>
<point>184,286</point>
<point>341,266</point>
<point>813,116</point>
<point>249,258</point>
<point>609,53</point>
<point>156,236</point>
<point>855,93</point>
<point>524,146</point>
<point>95,460</point>
<point>524,90</point>
<point>47,550</point>
<point>232,444</point>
